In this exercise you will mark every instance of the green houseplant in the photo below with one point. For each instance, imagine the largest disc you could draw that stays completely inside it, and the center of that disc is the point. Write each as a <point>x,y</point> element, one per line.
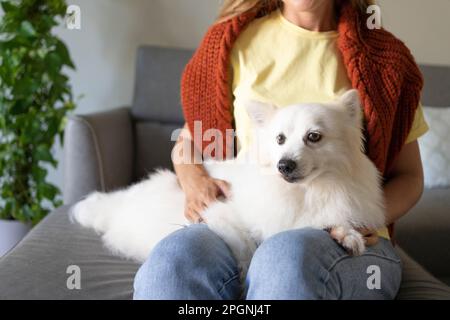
<point>35,97</point>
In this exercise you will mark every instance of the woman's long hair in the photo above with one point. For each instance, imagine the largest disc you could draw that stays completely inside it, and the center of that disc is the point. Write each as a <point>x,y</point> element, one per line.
<point>232,8</point>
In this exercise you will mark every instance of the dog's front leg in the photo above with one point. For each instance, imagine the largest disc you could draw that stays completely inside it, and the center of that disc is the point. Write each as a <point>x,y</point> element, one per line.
<point>349,238</point>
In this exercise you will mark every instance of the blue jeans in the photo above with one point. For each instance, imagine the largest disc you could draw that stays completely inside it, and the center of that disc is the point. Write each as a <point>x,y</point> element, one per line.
<point>195,263</point>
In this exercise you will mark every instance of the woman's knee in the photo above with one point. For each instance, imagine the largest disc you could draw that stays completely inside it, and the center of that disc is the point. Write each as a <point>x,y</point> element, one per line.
<point>189,248</point>
<point>300,244</point>
<point>309,264</point>
<point>289,265</point>
<point>194,252</point>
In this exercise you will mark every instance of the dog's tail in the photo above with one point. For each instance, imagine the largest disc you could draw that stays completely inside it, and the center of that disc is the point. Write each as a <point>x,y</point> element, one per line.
<point>90,212</point>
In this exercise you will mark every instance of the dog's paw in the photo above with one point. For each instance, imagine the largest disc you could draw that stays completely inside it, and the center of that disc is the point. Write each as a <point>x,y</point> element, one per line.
<point>350,239</point>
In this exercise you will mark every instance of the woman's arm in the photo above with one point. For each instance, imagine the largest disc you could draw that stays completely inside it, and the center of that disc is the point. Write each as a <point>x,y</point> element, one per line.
<point>200,189</point>
<point>402,190</point>
<point>404,187</point>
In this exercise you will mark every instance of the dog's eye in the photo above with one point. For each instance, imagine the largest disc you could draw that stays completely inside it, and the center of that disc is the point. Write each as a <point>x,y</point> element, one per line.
<point>281,139</point>
<point>314,137</point>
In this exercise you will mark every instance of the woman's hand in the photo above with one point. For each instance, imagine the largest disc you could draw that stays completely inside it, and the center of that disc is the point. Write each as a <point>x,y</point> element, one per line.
<point>370,236</point>
<point>201,190</point>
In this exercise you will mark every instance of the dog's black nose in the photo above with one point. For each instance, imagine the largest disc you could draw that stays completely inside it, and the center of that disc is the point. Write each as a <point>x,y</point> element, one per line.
<point>286,166</point>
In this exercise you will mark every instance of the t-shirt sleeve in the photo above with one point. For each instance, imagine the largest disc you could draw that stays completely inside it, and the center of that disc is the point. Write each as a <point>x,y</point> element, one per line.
<point>419,126</point>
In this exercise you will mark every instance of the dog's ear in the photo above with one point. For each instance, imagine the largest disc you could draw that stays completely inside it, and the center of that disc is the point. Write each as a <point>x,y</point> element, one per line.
<point>352,104</point>
<point>259,112</point>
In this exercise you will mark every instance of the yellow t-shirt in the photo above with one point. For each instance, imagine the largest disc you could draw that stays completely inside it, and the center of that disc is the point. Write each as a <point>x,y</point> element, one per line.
<point>276,61</point>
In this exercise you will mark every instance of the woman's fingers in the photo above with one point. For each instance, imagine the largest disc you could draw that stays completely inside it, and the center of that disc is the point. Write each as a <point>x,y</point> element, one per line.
<point>371,238</point>
<point>224,188</point>
<point>198,202</point>
<point>193,216</point>
<point>217,189</point>
<point>193,210</point>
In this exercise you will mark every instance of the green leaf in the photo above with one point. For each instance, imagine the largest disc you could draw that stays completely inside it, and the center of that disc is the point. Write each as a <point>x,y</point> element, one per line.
<point>18,107</point>
<point>48,191</point>
<point>44,154</point>
<point>39,174</point>
<point>48,22</point>
<point>54,63</point>
<point>8,7</point>
<point>25,87</point>
<point>27,29</point>
<point>63,52</point>
<point>27,213</point>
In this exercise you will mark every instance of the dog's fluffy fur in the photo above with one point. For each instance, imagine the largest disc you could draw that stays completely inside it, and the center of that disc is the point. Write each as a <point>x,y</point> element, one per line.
<point>333,185</point>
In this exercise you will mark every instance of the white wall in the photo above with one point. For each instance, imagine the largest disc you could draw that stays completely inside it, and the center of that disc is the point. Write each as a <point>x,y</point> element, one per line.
<point>104,49</point>
<point>423,25</point>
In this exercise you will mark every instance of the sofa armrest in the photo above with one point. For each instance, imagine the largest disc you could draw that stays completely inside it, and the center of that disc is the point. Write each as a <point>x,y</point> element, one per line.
<point>98,153</point>
<point>425,232</point>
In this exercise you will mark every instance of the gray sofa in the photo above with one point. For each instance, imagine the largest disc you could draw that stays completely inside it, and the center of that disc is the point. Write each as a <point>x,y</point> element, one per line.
<point>110,150</point>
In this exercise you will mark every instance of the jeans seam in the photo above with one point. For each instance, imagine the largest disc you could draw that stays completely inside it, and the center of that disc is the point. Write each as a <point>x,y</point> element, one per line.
<point>346,256</point>
<point>325,282</point>
<point>226,282</point>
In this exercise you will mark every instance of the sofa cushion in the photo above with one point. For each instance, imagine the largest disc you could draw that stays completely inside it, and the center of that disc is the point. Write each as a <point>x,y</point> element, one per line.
<point>37,267</point>
<point>418,284</point>
<point>425,232</point>
<point>435,148</point>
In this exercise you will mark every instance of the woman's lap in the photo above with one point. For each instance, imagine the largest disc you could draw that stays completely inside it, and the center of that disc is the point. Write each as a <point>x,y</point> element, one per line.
<point>191,263</point>
<point>194,263</point>
<point>311,265</point>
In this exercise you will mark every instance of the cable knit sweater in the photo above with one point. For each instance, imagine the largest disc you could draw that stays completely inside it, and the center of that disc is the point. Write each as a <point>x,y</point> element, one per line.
<point>378,65</point>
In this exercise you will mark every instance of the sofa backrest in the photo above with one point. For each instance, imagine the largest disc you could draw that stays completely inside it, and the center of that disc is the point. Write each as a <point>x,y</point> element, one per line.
<point>156,108</point>
<point>436,91</point>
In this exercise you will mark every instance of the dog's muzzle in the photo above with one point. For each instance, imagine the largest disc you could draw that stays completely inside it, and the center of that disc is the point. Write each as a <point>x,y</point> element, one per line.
<point>287,168</point>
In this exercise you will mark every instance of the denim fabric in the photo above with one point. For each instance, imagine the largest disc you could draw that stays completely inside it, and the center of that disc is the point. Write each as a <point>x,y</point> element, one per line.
<point>194,263</point>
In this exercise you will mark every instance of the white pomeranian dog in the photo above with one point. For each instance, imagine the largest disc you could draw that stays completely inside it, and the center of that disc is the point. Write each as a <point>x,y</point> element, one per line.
<point>306,167</point>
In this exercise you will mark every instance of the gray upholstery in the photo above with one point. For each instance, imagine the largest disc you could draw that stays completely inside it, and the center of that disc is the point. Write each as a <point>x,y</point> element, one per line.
<point>156,105</point>
<point>109,150</point>
<point>436,92</point>
<point>157,89</point>
<point>36,268</point>
<point>419,284</point>
<point>98,153</point>
<point>158,153</point>
<point>425,232</point>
